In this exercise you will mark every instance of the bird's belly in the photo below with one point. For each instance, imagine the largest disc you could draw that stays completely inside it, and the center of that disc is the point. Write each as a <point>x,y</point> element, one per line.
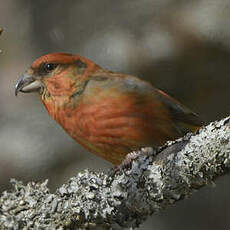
<point>110,138</point>
<point>112,132</point>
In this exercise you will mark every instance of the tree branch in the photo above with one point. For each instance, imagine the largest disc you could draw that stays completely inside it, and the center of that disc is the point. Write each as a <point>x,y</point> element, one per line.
<point>153,181</point>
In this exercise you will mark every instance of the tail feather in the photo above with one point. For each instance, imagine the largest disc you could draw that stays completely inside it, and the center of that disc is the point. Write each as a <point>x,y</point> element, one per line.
<point>184,117</point>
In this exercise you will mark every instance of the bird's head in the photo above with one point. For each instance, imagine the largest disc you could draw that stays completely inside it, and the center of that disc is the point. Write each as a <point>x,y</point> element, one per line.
<point>56,74</point>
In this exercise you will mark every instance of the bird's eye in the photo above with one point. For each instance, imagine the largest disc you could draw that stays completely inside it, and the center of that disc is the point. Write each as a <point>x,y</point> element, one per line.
<point>48,67</point>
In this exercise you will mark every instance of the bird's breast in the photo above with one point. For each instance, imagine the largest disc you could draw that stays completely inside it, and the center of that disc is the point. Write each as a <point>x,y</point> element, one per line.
<point>113,126</point>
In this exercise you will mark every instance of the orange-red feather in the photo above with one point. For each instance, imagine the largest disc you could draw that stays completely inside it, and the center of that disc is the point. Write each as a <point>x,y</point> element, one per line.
<point>108,113</point>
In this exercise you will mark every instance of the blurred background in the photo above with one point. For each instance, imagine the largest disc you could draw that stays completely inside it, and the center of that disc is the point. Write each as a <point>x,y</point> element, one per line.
<point>182,47</point>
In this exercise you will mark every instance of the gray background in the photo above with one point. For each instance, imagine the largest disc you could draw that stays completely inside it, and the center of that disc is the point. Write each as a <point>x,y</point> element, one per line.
<point>182,47</point>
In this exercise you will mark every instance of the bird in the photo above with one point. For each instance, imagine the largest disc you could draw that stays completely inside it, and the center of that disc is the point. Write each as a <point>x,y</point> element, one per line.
<point>110,114</point>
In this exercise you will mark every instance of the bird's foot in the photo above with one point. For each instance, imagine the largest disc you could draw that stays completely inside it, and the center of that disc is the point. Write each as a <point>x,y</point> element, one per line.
<point>126,163</point>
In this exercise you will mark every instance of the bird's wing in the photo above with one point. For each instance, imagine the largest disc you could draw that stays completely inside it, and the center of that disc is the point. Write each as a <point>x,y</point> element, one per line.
<point>183,117</point>
<point>189,120</point>
<point>148,110</point>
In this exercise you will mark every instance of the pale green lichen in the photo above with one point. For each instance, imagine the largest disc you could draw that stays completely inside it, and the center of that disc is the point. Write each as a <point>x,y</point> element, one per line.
<point>146,185</point>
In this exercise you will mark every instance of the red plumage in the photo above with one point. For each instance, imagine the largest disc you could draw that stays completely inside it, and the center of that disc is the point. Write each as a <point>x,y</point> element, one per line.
<point>110,114</point>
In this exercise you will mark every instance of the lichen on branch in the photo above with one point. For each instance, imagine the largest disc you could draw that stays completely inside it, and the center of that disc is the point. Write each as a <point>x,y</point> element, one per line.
<point>124,198</point>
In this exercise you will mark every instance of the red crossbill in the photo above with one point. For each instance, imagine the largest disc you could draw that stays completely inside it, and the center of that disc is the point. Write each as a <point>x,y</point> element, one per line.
<point>110,114</point>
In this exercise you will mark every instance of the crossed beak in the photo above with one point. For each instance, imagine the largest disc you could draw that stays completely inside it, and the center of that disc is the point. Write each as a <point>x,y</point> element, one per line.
<point>27,83</point>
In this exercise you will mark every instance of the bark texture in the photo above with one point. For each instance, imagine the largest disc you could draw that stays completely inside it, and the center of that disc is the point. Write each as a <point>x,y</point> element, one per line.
<point>123,198</point>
